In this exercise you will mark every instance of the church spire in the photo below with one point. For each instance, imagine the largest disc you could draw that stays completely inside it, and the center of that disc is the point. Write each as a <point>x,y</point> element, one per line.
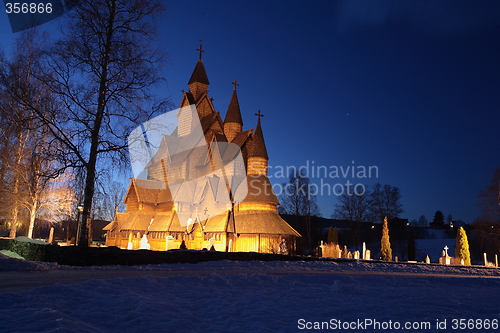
<point>198,83</point>
<point>259,146</point>
<point>257,155</point>
<point>233,123</point>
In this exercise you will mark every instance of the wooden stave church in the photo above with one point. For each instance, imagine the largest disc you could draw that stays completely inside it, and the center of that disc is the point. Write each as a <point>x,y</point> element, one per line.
<point>251,225</point>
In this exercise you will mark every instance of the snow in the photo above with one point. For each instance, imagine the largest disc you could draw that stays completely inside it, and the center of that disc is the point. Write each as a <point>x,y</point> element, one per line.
<point>30,240</point>
<point>434,248</point>
<point>237,296</point>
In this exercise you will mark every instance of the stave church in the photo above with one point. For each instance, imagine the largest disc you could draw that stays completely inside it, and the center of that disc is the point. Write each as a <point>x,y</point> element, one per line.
<point>216,195</point>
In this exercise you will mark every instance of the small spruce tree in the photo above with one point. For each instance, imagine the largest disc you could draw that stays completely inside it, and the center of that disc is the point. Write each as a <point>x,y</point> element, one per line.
<point>385,250</point>
<point>333,236</point>
<point>462,247</point>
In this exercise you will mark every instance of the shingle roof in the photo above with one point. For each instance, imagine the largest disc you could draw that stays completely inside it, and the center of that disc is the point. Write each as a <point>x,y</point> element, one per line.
<point>260,190</point>
<point>241,137</point>
<point>258,148</point>
<point>233,114</point>
<point>162,221</point>
<point>199,74</point>
<point>259,222</point>
<point>217,223</point>
<point>110,226</point>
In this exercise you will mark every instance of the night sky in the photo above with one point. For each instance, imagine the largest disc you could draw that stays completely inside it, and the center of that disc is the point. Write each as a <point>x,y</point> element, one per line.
<point>412,88</point>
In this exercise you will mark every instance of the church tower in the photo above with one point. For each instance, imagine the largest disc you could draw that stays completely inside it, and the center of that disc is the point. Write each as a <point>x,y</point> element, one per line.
<point>198,89</point>
<point>198,83</point>
<point>233,123</point>
<point>257,156</point>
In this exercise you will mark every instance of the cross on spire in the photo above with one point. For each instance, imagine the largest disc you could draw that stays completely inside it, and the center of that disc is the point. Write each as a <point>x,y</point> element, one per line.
<point>235,84</point>
<point>258,114</point>
<point>201,48</point>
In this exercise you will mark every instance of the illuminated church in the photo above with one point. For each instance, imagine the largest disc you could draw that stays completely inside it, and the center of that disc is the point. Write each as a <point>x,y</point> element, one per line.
<point>215,195</point>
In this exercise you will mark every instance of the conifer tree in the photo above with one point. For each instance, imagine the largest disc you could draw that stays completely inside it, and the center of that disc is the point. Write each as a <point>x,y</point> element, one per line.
<point>333,236</point>
<point>385,250</point>
<point>462,247</point>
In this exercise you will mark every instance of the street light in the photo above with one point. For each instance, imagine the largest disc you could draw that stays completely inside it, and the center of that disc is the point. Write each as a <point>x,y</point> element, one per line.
<point>80,210</point>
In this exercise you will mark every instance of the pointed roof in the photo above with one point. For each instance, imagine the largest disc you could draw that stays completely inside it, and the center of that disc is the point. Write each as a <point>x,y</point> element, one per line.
<point>262,222</point>
<point>233,114</point>
<point>199,74</point>
<point>258,148</point>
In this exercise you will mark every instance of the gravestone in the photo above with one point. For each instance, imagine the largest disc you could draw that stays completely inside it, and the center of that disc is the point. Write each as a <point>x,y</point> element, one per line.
<point>144,243</point>
<point>169,243</point>
<point>211,242</point>
<point>345,252</point>
<point>356,254</point>
<point>130,245</point>
<point>367,255</point>
<point>51,235</point>
<point>445,258</point>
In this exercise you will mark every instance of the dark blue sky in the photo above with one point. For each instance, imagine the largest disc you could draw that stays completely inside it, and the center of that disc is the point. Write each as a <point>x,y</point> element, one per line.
<point>410,87</point>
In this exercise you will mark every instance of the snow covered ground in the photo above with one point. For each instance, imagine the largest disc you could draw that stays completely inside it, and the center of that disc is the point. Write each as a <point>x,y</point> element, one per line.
<point>243,297</point>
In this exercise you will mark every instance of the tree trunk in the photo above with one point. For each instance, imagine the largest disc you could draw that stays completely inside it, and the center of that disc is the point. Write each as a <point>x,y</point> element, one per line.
<point>15,189</point>
<point>32,220</point>
<point>94,147</point>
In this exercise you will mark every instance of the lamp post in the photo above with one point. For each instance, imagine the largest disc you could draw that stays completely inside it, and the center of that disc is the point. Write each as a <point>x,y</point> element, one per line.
<point>80,210</point>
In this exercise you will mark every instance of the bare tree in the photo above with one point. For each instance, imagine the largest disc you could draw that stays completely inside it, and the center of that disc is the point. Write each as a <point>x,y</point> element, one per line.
<point>26,145</point>
<point>109,199</point>
<point>44,197</point>
<point>102,72</point>
<point>355,209</point>
<point>385,202</point>
<point>297,198</point>
<point>485,235</point>
<point>422,221</point>
<point>490,197</point>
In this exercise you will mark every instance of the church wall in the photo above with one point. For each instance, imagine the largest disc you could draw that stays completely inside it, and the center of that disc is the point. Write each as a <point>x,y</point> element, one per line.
<point>235,169</point>
<point>231,129</point>
<point>257,166</point>
<point>110,240</point>
<point>216,127</point>
<point>132,204</point>
<point>194,171</point>
<point>197,88</point>
<point>268,244</point>
<point>185,120</point>
<point>157,244</point>
<point>165,207</point>
<point>203,107</point>
<point>246,243</point>
<point>155,172</point>
<point>147,207</point>
<point>261,206</point>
